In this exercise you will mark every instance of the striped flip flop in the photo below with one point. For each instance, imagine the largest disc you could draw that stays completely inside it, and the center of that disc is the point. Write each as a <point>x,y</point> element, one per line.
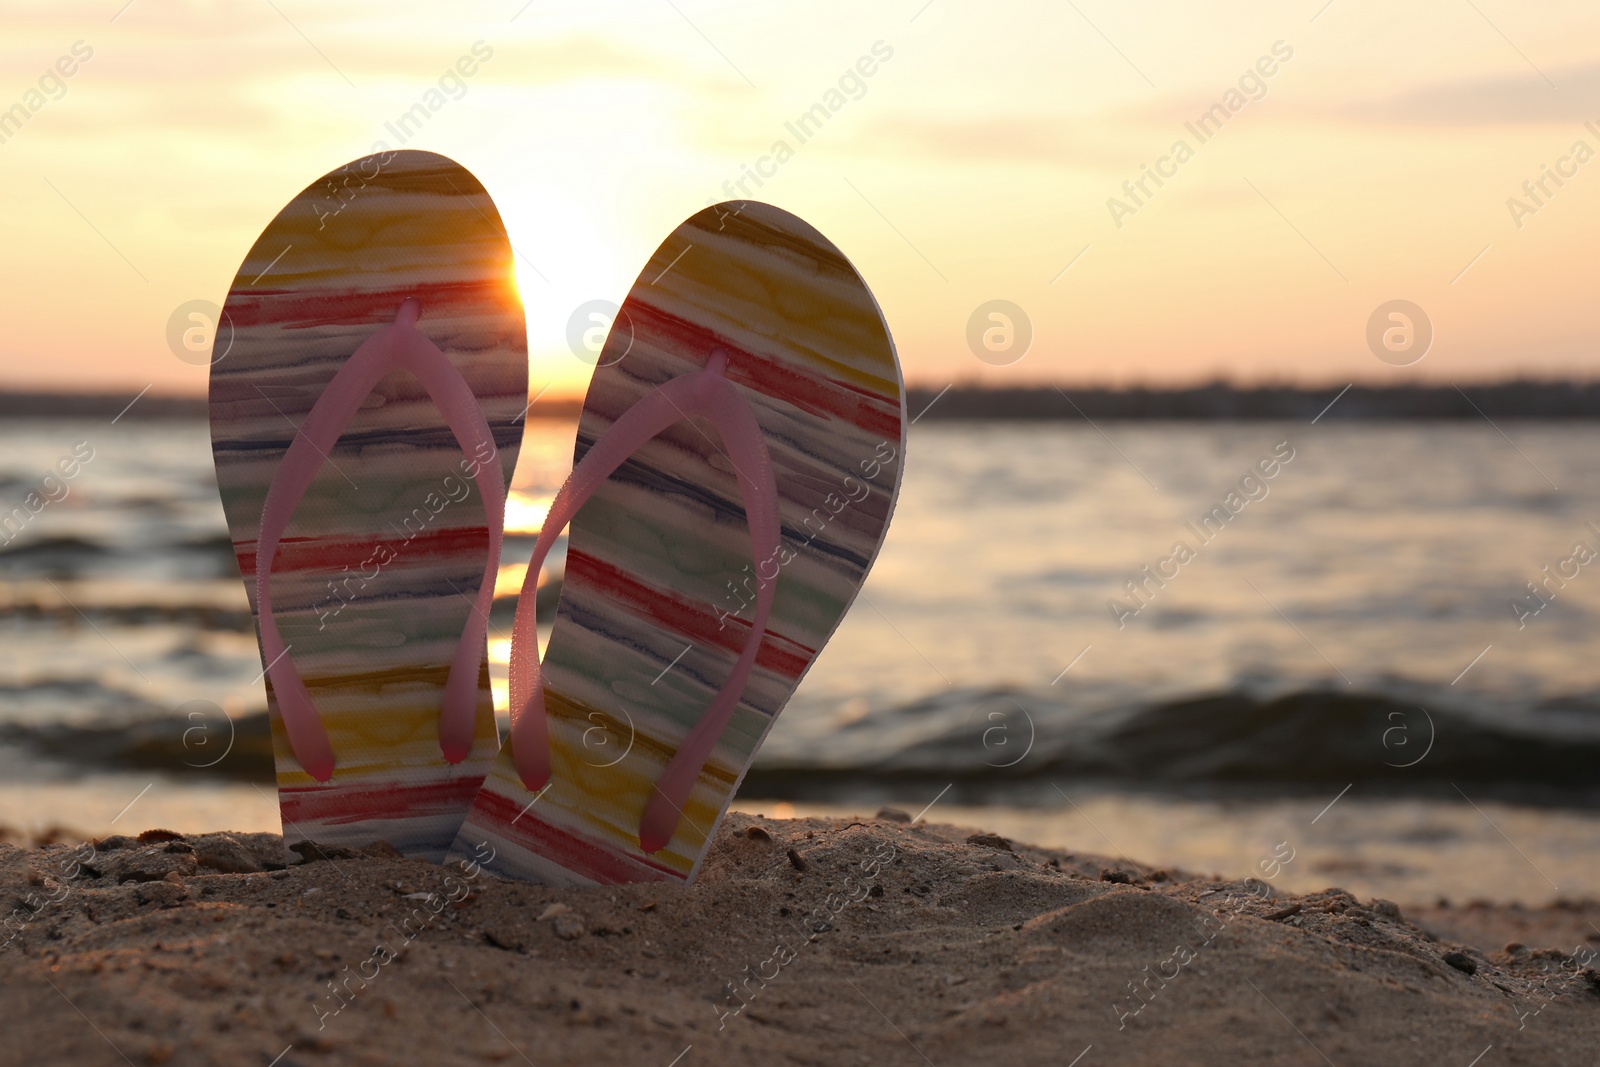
<point>366,414</point>
<point>737,463</point>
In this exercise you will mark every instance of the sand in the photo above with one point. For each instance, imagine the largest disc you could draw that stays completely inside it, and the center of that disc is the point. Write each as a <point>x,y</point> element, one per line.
<point>806,941</point>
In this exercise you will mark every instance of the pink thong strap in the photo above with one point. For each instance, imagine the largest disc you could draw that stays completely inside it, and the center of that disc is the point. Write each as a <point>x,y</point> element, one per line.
<point>706,393</point>
<point>395,347</point>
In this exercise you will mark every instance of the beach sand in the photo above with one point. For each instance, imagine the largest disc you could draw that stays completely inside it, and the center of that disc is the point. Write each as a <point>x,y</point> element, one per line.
<point>809,941</point>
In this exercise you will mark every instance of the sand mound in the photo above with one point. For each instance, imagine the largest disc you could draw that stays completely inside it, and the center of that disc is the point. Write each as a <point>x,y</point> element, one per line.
<point>807,941</point>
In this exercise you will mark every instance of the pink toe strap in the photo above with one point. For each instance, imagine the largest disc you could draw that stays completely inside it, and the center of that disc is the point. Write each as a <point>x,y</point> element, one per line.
<point>395,347</point>
<point>706,393</point>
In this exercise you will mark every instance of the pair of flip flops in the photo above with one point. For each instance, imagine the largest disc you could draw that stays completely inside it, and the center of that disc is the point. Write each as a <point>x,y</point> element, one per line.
<point>737,462</point>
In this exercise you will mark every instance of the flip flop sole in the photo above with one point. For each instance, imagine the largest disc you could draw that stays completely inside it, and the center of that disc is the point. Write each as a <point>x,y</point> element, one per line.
<point>660,585</point>
<point>374,579</point>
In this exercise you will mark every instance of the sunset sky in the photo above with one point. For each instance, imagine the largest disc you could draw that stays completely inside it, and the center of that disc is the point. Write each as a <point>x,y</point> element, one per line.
<point>974,162</point>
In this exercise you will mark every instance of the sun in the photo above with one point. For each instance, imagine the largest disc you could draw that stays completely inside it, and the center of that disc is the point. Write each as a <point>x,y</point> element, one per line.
<point>565,259</point>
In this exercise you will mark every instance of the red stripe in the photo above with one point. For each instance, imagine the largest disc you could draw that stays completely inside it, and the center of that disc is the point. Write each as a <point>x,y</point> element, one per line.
<point>302,308</point>
<point>577,854</point>
<point>823,397</point>
<point>352,804</point>
<point>694,619</point>
<point>313,553</point>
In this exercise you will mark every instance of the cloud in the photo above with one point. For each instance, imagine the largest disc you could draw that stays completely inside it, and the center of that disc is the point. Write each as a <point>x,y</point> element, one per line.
<point>256,86</point>
<point>1504,100</point>
<point>1052,140</point>
<point>1517,99</point>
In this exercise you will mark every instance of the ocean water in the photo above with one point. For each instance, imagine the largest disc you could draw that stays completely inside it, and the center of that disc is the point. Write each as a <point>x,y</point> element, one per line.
<point>1178,642</point>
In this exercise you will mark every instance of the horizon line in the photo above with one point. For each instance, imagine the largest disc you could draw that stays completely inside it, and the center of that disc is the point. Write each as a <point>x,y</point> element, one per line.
<point>549,398</point>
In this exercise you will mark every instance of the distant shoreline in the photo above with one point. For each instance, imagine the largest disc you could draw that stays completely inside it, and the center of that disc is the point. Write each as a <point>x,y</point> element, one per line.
<point>1223,402</point>
<point>1214,402</point>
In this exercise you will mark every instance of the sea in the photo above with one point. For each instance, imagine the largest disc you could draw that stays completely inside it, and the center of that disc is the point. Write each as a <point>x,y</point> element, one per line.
<point>1371,646</point>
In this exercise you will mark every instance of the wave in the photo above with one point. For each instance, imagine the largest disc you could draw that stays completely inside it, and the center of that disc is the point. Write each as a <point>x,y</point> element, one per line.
<point>210,747</point>
<point>1003,743</point>
<point>1020,747</point>
<point>207,556</point>
<point>202,616</point>
<point>55,550</point>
